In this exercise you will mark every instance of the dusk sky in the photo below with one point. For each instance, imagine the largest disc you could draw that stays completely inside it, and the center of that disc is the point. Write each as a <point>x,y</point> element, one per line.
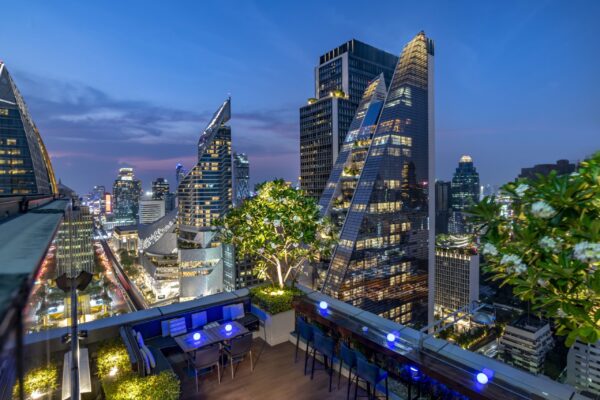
<point>133,83</point>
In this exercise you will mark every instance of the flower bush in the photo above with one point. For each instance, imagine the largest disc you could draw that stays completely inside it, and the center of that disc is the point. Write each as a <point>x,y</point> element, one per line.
<point>112,356</point>
<point>273,299</point>
<point>548,247</point>
<point>280,229</point>
<point>39,381</point>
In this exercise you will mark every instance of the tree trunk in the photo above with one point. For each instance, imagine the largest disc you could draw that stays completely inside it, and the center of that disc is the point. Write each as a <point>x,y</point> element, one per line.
<point>280,275</point>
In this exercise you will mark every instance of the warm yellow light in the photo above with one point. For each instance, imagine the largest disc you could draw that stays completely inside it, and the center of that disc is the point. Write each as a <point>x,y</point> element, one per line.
<point>36,394</point>
<point>113,371</point>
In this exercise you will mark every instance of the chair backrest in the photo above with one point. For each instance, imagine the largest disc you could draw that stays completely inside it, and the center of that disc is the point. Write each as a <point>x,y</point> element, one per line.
<point>366,370</point>
<point>241,345</point>
<point>199,319</point>
<point>347,355</point>
<point>207,356</point>
<point>324,344</point>
<point>305,330</point>
<point>177,327</point>
<point>233,311</point>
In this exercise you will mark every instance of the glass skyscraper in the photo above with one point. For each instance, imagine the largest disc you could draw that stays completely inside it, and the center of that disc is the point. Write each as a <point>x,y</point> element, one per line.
<point>464,192</point>
<point>241,178</point>
<point>378,193</point>
<point>205,195</point>
<point>341,78</point>
<point>126,195</point>
<point>25,167</point>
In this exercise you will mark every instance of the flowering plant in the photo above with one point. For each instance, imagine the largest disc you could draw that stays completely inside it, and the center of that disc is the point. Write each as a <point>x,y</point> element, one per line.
<point>548,247</point>
<point>279,229</point>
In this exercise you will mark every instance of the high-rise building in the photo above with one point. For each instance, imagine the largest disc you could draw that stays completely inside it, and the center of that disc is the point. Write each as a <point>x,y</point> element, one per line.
<point>583,367</point>
<point>340,80</point>
<point>525,343</point>
<point>160,188</point>
<point>126,195</point>
<point>205,195</point>
<point>456,274</point>
<point>151,210</point>
<point>378,194</point>
<point>442,206</point>
<point>464,192</point>
<point>25,167</point>
<point>241,178</point>
<point>180,173</point>
<point>562,167</point>
<point>74,248</point>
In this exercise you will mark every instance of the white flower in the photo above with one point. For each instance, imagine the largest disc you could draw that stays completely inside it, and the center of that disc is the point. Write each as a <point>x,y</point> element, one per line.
<point>548,243</point>
<point>574,174</point>
<point>541,209</point>
<point>276,223</point>
<point>296,218</point>
<point>513,263</point>
<point>561,313</point>
<point>542,282</point>
<point>489,250</point>
<point>265,221</point>
<point>521,189</point>
<point>273,245</point>
<point>520,268</point>
<point>295,244</point>
<point>261,250</point>
<point>587,252</point>
<point>320,207</point>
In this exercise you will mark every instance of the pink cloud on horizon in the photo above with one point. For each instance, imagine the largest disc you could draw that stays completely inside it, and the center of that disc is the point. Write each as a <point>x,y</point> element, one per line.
<point>154,164</point>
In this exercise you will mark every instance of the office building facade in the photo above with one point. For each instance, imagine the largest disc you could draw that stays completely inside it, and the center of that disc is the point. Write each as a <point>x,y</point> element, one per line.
<point>74,247</point>
<point>562,167</point>
<point>160,188</point>
<point>378,194</point>
<point>583,367</point>
<point>25,168</point>
<point>442,206</point>
<point>151,210</point>
<point>340,80</point>
<point>205,195</point>
<point>525,343</point>
<point>126,196</point>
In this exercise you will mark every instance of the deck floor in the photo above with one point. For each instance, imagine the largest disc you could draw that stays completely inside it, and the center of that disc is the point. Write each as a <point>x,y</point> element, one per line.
<point>275,377</point>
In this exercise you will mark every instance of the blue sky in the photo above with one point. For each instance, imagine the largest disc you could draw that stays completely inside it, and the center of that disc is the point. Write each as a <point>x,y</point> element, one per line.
<point>133,83</point>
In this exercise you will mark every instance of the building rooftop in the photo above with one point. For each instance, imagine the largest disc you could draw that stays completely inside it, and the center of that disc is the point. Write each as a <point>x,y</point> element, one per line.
<point>529,323</point>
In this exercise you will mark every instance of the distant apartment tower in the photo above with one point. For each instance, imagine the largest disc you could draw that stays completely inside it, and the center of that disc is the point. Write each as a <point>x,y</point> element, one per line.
<point>340,80</point>
<point>562,167</point>
<point>126,195</point>
<point>378,195</point>
<point>74,248</point>
<point>25,167</point>
<point>205,195</point>
<point>583,367</point>
<point>456,274</point>
<point>180,173</point>
<point>525,343</point>
<point>442,206</point>
<point>241,178</point>
<point>151,210</point>
<point>464,193</point>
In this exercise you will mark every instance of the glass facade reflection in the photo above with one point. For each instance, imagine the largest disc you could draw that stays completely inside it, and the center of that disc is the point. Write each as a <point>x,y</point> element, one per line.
<point>25,167</point>
<point>379,195</point>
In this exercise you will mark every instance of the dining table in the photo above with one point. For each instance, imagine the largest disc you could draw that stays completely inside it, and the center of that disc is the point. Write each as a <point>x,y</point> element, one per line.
<point>191,342</point>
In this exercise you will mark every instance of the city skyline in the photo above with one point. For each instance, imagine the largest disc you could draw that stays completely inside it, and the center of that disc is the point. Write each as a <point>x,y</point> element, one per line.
<point>494,95</point>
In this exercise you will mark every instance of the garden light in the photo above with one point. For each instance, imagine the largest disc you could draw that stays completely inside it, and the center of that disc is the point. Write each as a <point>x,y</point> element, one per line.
<point>323,305</point>
<point>391,337</point>
<point>228,328</point>
<point>482,378</point>
<point>196,336</point>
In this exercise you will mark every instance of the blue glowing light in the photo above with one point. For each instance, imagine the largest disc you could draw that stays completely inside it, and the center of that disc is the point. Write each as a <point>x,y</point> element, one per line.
<point>365,329</point>
<point>413,369</point>
<point>323,305</point>
<point>391,337</point>
<point>196,336</point>
<point>228,327</point>
<point>482,378</point>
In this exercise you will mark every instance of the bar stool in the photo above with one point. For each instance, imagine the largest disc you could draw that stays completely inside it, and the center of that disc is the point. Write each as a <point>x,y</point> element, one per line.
<point>305,331</point>
<point>372,375</point>
<point>326,346</point>
<point>347,357</point>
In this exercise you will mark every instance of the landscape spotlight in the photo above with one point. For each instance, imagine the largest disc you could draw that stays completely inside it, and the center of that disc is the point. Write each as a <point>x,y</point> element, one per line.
<point>323,305</point>
<point>391,337</point>
<point>482,378</point>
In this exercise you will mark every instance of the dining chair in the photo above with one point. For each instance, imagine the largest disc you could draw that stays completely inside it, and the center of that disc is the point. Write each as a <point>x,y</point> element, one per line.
<point>347,357</point>
<point>371,374</point>
<point>324,345</point>
<point>237,349</point>
<point>207,357</point>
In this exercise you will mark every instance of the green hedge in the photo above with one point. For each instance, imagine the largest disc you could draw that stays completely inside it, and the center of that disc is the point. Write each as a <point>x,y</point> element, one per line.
<point>273,299</point>
<point>164,386</point>
<point>112,353</point>
<point>41,380</point>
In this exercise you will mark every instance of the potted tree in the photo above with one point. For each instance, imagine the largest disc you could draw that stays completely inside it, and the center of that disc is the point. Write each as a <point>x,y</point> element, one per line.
<point>281,230</point>
<point>548,247</point>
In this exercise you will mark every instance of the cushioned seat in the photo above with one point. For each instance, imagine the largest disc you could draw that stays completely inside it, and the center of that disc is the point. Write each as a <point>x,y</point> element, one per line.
<point>160,342</point>
<point>162,363</point>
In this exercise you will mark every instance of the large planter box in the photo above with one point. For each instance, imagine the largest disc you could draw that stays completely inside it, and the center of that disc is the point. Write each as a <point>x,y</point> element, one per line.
<point>277,327</point>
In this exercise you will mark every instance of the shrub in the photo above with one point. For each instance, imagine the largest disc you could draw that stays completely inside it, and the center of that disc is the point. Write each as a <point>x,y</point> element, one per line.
<point>272,299</point>
<point>39,380</point>
<point>164,386</point>
<point>112,353</point>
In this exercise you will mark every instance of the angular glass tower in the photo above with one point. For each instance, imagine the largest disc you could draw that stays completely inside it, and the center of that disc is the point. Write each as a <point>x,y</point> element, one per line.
<point>464,192</point>
<point>205,195</point>
<point>25,167</point>
<point>378,194</point>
